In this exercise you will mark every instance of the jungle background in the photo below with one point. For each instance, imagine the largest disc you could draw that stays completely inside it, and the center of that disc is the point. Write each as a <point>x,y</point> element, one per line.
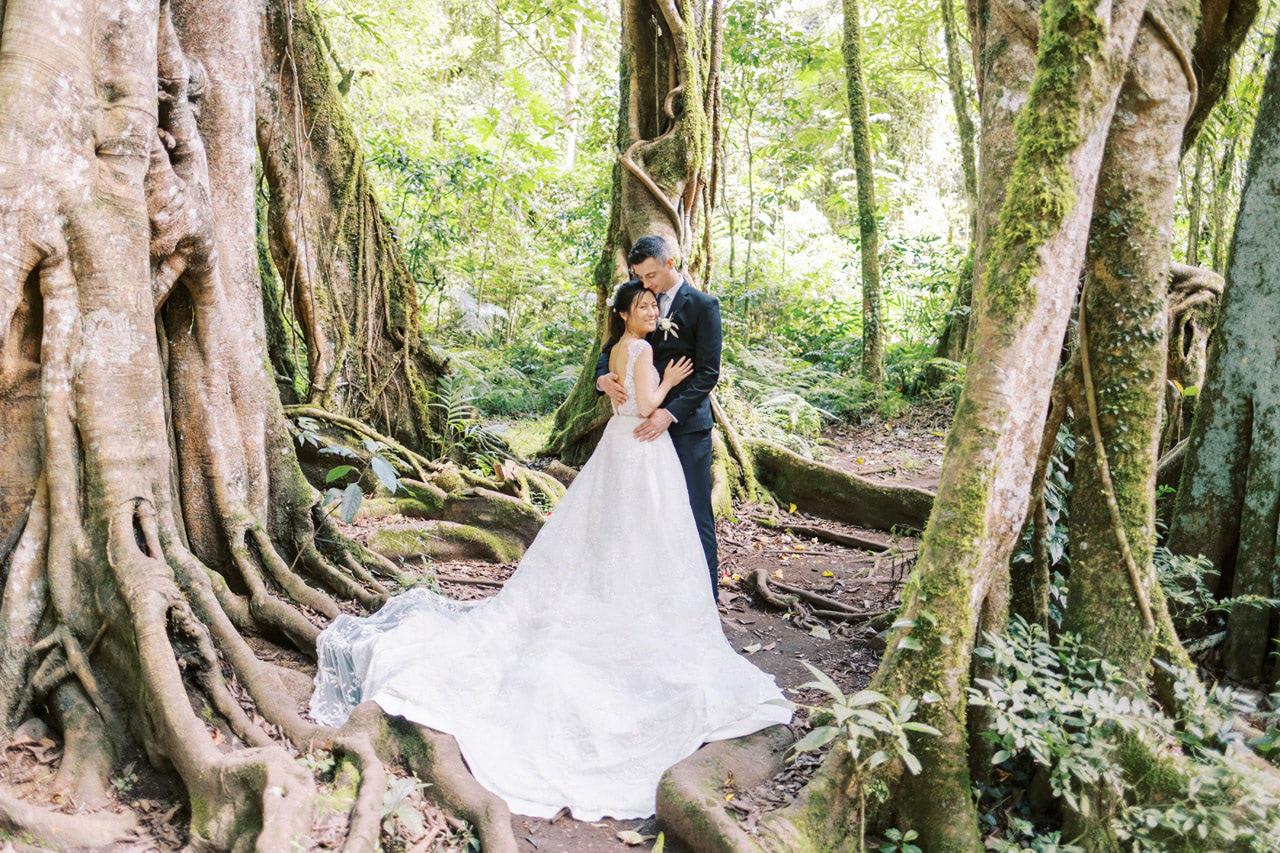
<point>1038,615</point>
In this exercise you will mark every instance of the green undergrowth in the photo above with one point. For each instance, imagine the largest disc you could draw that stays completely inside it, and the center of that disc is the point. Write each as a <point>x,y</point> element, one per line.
<point>1066,724</point>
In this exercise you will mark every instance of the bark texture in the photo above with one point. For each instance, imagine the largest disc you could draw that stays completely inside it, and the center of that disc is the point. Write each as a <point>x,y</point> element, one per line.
<point>868,229</point>
<point>152,510</point>
<point>337,258</point>
<point>1229,502</point>
<point>953,342</point>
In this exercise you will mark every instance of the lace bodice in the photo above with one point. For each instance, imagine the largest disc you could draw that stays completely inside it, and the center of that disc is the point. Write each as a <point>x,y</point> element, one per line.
<point>632,407</point>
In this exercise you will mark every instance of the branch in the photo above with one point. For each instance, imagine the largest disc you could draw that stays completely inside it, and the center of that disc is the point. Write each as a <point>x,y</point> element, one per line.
<point>1184,58</point>
<point>417,461</point>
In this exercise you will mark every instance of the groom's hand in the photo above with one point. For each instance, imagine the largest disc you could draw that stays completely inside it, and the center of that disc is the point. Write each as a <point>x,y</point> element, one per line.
<point>654,425</point>
<point>609,384</point>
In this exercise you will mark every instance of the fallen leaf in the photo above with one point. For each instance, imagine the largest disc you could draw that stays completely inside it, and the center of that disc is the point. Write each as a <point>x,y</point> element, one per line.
<point>751,649</point>
<point>820,632</point>
<point>770,646</point>
<point>828,574</point>
<point>799,547</point>
<point>791,507</point>
<point>778,574</point>
<point>860,461</point>
<point>631,838</point>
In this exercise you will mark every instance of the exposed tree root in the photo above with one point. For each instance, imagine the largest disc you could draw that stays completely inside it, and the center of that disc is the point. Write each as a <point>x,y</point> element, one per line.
<point>434,756</point>
<point>835,494</point>
<point>836,537</point>
<point>691,795</point>
<point>59,831</point>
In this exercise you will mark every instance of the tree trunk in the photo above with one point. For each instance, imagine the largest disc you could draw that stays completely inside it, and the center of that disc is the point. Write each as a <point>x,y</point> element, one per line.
<point>955,334</point>
<point>152,510</point>
<point>1191,256</point>
<point>1122,337</point>
<point>669,98</point>
<point>573,66</point>
<point>338,259</point>
<point>868,230</point>
<point>1030,257</point>
<point>1229,502</point>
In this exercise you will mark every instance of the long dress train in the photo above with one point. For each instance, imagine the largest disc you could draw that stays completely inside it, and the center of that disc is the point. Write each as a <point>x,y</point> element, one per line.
<point>600,663</point>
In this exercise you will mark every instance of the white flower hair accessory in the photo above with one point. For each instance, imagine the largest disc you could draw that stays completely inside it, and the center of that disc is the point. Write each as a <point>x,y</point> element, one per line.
<point>613,297</point>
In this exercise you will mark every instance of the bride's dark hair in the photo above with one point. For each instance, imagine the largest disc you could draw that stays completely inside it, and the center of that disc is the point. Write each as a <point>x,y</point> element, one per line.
<point>623,298</point>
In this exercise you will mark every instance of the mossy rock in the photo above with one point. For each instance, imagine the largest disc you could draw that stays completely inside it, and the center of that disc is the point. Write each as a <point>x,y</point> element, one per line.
<point>507,517</point>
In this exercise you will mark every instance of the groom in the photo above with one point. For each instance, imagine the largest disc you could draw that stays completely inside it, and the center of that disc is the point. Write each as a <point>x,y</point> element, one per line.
<point>688,325</point>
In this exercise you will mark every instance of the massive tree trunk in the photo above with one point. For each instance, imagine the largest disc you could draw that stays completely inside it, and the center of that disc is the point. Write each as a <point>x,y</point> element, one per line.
<point>669,104</point>
<point>1229,502</point>
<point>152,511</point>
<point>868,228</point>
<point>338,260</point>
<point>954,339</point>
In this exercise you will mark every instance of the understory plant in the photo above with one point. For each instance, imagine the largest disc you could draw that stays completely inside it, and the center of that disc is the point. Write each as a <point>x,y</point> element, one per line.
<point>1066,723</point>
<point>874,728</point>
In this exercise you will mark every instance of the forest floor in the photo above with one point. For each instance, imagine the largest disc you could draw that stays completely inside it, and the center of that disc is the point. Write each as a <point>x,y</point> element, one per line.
<point>905,451</point>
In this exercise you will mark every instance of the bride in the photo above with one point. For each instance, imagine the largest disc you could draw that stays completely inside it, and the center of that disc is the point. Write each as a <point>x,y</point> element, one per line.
<point>601,662</point>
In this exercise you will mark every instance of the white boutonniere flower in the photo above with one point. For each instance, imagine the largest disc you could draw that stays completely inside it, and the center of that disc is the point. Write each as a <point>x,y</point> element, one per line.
<point>668,327</point>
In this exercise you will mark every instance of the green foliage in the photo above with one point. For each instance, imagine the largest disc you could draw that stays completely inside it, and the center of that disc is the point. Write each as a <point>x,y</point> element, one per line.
<point>1057,487</point>
<point>319,762</point>
<point>464,437</point>
<point>874,728</point>
<point>899,841</point>
<point>1056,707</point>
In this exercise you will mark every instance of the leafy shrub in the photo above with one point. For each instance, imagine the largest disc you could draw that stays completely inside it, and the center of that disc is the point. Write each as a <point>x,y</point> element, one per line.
<point>1061,709</point>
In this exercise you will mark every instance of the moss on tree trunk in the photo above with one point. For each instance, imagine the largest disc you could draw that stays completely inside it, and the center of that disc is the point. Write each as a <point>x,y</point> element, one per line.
<point>868,229</point>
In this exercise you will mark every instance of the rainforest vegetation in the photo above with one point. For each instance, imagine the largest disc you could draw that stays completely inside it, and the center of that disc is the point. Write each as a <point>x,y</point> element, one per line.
<point>300,302</point>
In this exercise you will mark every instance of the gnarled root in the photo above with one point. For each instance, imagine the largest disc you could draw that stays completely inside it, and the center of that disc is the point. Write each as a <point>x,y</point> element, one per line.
<point>691,797</point>
<point>59,831</point>
<point>434,757</point>
<point>831,493</point>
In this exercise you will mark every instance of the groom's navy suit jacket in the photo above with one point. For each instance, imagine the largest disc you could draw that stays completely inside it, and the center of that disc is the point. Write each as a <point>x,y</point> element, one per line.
<point>697,335</point>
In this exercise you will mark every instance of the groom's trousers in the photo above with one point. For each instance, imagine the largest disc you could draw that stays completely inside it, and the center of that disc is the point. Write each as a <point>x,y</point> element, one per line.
<point>694,450</point>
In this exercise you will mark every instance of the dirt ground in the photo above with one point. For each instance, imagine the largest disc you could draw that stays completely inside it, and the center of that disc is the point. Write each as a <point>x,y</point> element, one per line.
<point>907,451</point>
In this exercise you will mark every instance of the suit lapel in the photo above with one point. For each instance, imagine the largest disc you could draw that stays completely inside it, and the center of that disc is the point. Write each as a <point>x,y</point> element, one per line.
<point>682,296</point>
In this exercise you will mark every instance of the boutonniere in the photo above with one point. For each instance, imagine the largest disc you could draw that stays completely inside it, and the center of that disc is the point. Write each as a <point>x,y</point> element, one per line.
<point>668,327</point>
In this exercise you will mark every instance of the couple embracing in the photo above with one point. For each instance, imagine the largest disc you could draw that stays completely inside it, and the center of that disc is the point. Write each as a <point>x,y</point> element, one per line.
<point>601,662</point>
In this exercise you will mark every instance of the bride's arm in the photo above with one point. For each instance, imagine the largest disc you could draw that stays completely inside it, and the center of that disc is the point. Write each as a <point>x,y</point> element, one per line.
<point>649,397</point>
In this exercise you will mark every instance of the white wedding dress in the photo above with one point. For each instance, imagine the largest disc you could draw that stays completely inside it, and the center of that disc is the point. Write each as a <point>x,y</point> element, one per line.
<point>600,663</point>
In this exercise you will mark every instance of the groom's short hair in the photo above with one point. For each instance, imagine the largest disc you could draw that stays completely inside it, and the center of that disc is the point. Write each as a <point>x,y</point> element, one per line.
<point>649,246</point>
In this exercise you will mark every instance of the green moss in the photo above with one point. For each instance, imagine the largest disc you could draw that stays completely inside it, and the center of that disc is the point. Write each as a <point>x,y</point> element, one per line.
<point>443,540</point>
<point>341,796</point>
<point>1041,191</point>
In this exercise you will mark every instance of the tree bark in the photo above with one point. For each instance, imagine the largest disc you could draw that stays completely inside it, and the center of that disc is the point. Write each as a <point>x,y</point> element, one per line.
<point>152,510</point>
<point>868,229</point>
<point>1030,259</point>
<point>338,258</point>
<point>1228,501</point>
<point>953,342</point>
<point>1123,333</point>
